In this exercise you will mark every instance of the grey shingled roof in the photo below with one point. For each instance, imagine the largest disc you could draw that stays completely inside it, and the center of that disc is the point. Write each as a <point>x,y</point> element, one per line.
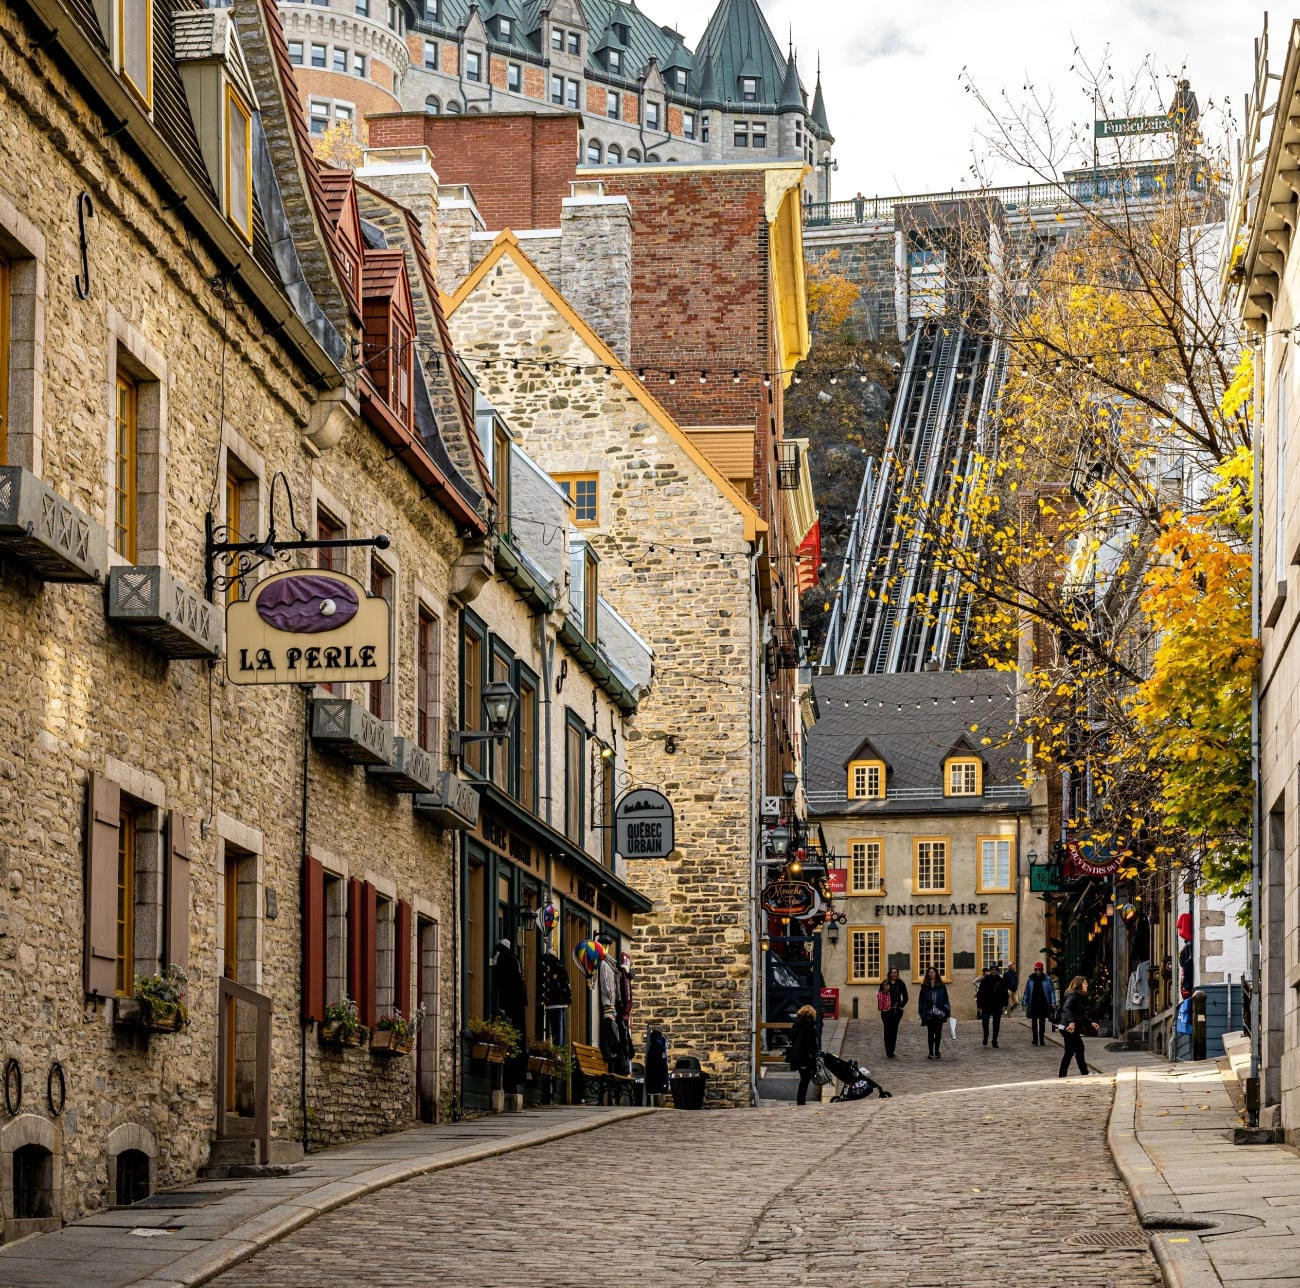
<point>913,720</point>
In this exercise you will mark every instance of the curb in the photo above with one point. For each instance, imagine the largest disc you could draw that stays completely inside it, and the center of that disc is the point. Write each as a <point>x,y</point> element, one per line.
<point>267,1227</point>
<point>1182,1258</point>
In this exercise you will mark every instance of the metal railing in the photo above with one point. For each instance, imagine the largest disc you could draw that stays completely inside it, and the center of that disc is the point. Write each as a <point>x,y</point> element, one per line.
<point>911,795</point>
<point>1023,196</point>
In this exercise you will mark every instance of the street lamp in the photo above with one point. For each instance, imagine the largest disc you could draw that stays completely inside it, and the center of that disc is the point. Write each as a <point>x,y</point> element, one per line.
<point>779,839</point>
<point>789,782</point>
<point>833,932</point>
<point>499,703</point>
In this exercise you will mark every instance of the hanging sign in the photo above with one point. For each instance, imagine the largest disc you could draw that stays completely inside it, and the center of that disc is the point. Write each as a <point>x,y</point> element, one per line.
<point>789,898</point>
<point>643,825</point>
<point>1088,859</point>
<point>1124,126</point>
<point>307,627</point>
<point>837,880</point>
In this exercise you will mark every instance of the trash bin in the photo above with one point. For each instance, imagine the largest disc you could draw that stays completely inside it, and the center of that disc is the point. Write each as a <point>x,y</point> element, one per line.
<point>689,1083</point>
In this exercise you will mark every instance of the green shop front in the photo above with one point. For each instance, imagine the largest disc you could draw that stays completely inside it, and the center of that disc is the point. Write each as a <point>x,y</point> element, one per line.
<point>513,867</point>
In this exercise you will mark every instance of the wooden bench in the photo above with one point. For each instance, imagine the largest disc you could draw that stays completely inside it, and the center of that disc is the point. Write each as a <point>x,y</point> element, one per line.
<point>595,1070</point>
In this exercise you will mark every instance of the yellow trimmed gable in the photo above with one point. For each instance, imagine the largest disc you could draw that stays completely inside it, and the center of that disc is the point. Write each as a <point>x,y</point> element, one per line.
<point>506,245</point>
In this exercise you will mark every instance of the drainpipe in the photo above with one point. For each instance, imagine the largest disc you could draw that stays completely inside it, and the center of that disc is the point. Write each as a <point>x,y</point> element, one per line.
<point>302,906</point>
<point>1257,797</point>
<point>547,651</point>
<point>756,989</point>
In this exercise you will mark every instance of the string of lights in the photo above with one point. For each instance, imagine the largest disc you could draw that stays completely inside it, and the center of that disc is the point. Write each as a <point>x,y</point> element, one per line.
<point>735,375</point>
<point>919,703</point>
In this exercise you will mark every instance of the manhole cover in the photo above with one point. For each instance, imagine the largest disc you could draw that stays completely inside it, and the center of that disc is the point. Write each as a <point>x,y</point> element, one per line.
<point>1133,1240</point>
<point>183,1199</point>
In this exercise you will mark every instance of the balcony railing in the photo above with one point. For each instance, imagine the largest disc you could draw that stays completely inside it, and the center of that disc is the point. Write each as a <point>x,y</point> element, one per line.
<point>918,795</point>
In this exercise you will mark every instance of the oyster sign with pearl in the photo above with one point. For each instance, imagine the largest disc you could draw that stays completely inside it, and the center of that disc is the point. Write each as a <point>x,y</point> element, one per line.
<point>307,626</point>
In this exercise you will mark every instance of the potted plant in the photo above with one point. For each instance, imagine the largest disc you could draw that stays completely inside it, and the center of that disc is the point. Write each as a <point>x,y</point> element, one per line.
<point>394,1034</point>
<point>157,1004</point>
<point>494,1041</point>
<point>547,1058</point>
<point>342,1025</point>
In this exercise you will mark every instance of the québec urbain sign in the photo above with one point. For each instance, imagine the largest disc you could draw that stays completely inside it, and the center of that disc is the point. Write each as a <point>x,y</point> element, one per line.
<point>307,627</point>
<point>643,825</point>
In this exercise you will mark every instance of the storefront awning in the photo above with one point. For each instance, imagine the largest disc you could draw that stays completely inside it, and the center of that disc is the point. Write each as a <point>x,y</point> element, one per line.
<point>558,844</point>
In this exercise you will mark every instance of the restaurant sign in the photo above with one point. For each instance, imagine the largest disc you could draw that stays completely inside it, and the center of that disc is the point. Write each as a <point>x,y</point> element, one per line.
<point>643,825</point>
<point>790,899</point>
<point>307,627</point>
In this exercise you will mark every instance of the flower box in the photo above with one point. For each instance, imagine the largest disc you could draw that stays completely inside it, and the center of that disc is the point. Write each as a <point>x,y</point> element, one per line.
<point>387,1042</point>
<point>540,1064</point>
<point>334,1033</point>
<point>151,1017</point>
<point>487,1051</point>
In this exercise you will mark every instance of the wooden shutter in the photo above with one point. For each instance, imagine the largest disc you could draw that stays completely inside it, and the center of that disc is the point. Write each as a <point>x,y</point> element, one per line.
<point>313,944</point>
<point>176,921</point>
<point>402,969</point>
<point>103,821</point>
<point>355,939</point>
<point>369,952</point>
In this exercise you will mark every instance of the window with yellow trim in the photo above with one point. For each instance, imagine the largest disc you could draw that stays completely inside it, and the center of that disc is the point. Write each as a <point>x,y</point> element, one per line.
<point>996,853</point>
<point>930,865</point>
<point>930,948</point>
<point>5,288</point>
<point>866,954</point>
<point>866,780</point>
<point>996,943</point>
<point>963,776</point>
<point>135,47</point>
<point>239,164</point>
<point>126,432</point>
<point>867,866</point>
<point>584,491</point>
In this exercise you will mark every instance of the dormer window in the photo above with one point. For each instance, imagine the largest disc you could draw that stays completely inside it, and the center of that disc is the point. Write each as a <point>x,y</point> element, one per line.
<point>503,28</point>
<point>473,66</point>
<point>749,89</point>
<point>614,60</point>
<point>135,49</point>
<point>501,475</point>
<point>963,776</point>
<point>239,169</point>
<point>680,75</point>
<point>621,31</point>
<point>557,39</point>
<point>575,43</point>
<point>866,780</point>
<point>652,116</point>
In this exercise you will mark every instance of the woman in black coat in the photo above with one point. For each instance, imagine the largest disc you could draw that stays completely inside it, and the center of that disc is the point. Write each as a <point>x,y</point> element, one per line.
<point>1075,1023</point>
<point>891,999</point>
<point>803,1049</point>
<point>934,1008</point>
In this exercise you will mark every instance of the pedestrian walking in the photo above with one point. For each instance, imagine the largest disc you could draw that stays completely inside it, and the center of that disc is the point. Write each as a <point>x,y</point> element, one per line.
<point>891,998</point>
<point>991,1000</point>
<point>934,1008</point>
<point>1075,1024</point>
<point>1011,978</point>
<point>1039,1002</point>
<point>803,1049</point>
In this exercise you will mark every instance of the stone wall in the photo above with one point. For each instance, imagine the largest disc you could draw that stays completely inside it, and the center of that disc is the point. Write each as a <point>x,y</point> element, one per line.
<point>864,254</point>
<point>675,564</point>
<point>83,696</point>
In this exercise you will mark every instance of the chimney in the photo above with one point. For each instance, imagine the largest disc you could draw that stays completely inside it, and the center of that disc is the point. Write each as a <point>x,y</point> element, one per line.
<point>458,221</point>
<point>596,262</point>
<point>407,176</point>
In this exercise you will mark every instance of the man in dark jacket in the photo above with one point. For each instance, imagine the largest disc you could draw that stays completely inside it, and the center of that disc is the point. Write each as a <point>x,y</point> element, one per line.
<point>1039,1002</point>
<point>991,1000</point>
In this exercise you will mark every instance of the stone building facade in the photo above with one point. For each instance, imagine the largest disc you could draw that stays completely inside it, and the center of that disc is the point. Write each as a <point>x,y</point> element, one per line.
<point>643,96</point>
<point>200,341</point>
<point>932,828</point>
<point>680,548</point>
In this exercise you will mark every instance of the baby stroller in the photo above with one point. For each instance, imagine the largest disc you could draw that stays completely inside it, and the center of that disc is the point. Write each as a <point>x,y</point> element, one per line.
<point>857,1083</point>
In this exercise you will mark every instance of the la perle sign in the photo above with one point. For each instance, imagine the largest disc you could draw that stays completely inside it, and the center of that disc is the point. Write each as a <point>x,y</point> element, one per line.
<point>307,627</point>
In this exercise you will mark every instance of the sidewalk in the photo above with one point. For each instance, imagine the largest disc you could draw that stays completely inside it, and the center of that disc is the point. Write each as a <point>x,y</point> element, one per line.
<point>1171,1137</point>
<point>186,1237</point>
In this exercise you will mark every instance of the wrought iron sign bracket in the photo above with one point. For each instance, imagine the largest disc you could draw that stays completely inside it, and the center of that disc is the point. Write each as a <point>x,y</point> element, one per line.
<point>239,558</point>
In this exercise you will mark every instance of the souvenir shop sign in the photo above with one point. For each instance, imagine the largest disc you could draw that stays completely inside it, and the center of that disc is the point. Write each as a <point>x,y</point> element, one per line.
<point>789,899</point>
<point>643,825</point>
<point>1088,859</point>
<point>307,626</point>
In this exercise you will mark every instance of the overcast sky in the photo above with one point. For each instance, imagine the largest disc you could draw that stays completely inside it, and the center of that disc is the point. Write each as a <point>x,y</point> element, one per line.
<point>902,121</point>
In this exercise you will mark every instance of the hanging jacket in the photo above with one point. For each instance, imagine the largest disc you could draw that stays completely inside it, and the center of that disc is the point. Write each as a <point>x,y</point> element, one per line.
<point>555,982</point>
<point>609,987</point>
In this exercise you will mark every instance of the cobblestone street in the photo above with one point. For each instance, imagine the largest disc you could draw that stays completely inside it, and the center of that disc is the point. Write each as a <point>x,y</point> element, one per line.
<point>976,1172</point>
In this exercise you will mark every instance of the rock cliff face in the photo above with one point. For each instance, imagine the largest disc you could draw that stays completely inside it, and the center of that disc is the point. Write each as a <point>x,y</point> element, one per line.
<point>845,423</point>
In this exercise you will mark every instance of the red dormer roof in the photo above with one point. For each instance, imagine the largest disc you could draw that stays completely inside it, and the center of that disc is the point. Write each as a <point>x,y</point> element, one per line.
<point>384,269</point>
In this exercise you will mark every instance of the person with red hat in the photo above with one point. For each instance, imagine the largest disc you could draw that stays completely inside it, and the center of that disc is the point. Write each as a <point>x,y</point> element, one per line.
<point>1039,1002</point>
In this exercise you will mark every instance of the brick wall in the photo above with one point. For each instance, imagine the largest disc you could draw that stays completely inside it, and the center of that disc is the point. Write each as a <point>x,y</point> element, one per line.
<point>519,165</point>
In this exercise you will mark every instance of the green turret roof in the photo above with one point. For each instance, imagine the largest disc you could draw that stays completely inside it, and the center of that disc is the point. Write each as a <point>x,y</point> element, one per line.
<point>819,109</point>
<point>791,89</point>
<point>740,43</point>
